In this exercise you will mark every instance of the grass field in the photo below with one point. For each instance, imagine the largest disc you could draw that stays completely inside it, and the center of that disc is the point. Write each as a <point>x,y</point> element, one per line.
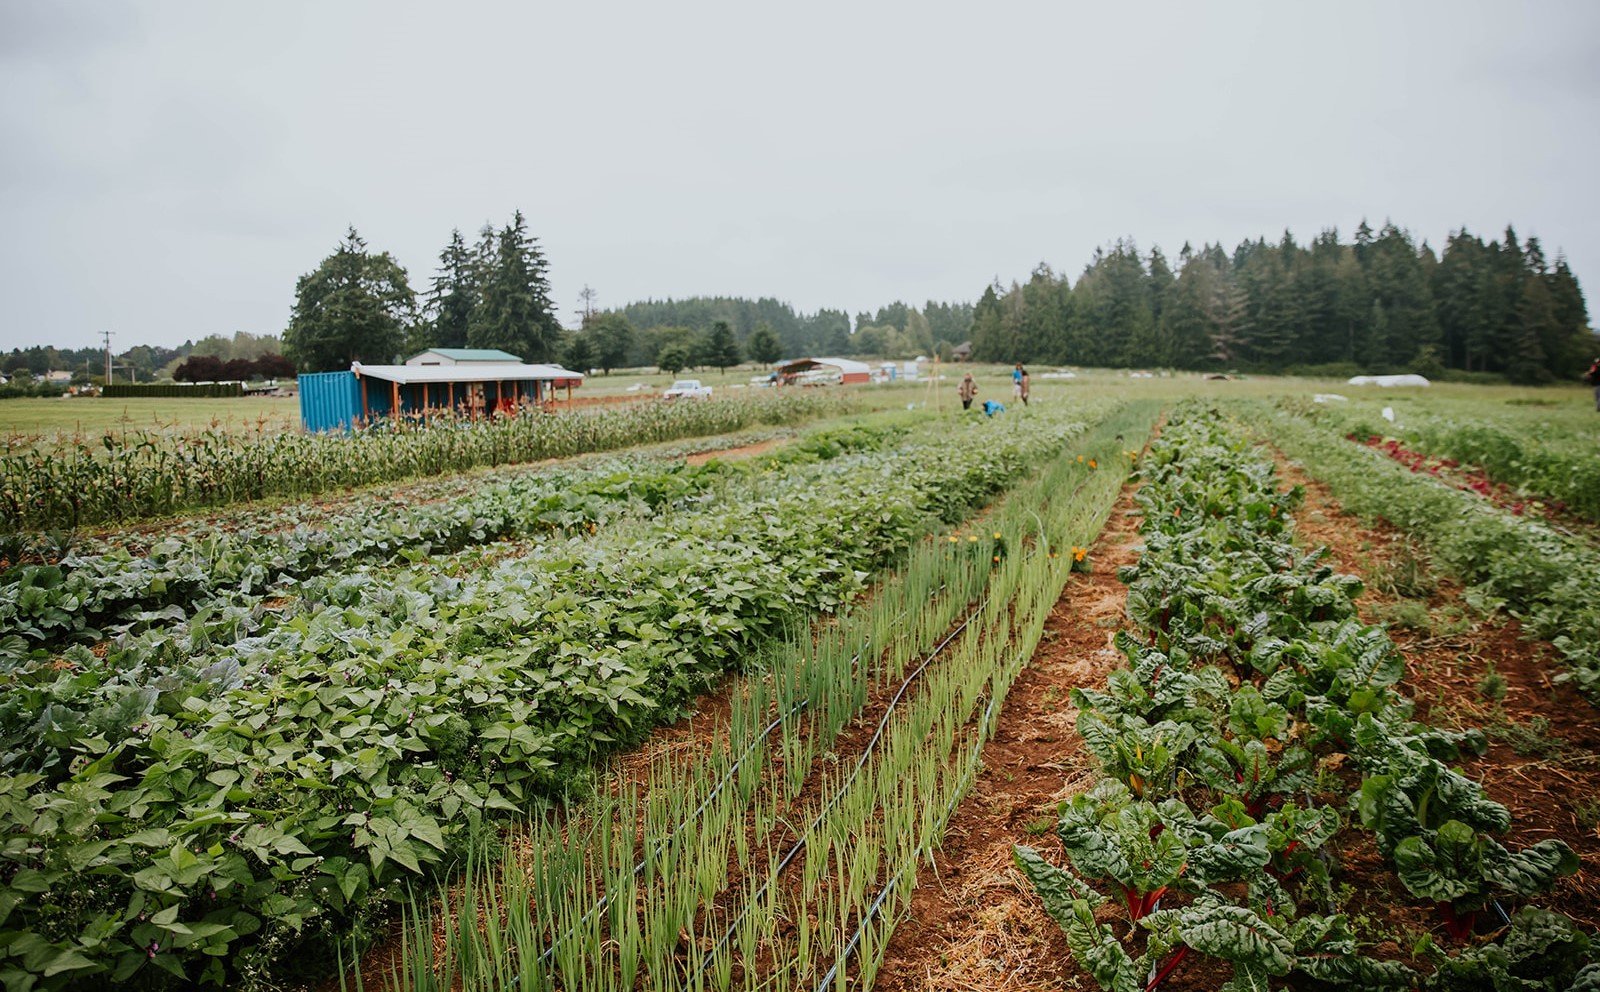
<point>93,415</point>
<point>68,415</point>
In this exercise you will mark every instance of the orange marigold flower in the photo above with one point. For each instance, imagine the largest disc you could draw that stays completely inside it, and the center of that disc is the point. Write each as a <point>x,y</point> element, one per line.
<point>1078,553</point>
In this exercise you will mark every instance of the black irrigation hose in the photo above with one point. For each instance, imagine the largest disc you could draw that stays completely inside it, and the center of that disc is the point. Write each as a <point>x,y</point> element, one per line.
<point>800,844</point>
<point>638,869</point>
<point>950,810</point>
<point>877,903</point>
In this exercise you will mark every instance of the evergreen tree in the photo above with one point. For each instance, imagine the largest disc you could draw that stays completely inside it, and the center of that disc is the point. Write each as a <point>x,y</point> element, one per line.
<point>1460,285</point>
<point>1043,318</point>
<point>1230,322</point>
<point>453,295</point>
<point>1572,315</point>
<point>515,313</point>
<point>721,350</point>
<point>355,306</point>
<point>579,355</point>
<point>1186,317</point>
<point>987,333</point>
<point>763,345</point>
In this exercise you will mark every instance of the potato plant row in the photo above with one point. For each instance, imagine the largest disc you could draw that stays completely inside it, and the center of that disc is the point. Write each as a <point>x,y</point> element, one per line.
<point>360,743</point>
<point>1221,741</point>
<point>1547,579</point>
<point>128,475</point>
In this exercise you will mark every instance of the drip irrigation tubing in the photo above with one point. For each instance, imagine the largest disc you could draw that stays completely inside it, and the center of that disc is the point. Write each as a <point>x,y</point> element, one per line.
<point>877,903</point>
<point>638,869</point>
<point>800,845</point>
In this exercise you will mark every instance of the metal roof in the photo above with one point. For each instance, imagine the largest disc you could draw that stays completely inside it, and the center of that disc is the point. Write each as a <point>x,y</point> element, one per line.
<point>842,364</point>
<point>405,374</point>
<point>469,354</point>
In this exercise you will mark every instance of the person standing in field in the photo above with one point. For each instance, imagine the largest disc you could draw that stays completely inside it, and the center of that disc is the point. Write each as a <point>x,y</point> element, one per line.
<point>1022,391</point>
<point>1016,381</point>
<point>967,391</point>
<point>1592,377</point>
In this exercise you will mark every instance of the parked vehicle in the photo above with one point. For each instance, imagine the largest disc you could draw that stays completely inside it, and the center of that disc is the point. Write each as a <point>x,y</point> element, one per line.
<point>689,389</point>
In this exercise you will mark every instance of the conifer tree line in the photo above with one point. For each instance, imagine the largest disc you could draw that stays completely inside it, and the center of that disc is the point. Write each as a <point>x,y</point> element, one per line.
<point>358,305</point>
<point>1382,303</point>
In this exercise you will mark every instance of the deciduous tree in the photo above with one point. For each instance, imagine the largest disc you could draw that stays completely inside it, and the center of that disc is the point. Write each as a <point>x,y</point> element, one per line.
<point>355,306</point>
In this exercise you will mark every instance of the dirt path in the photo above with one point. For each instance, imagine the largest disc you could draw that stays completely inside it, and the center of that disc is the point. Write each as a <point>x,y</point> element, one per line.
<point>735,454</point>
<point>975,924</point>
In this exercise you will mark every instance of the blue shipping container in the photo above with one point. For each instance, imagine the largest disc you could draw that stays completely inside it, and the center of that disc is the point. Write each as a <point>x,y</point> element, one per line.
<point>330,400</point>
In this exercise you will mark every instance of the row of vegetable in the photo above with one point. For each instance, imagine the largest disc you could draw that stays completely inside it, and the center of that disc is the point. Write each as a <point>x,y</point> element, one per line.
<point>785,859</point>
<point>1550,580</point>
<point>1256,726</point>
<point>263,797</point>
<point>193,611</point>
<point>128,475</point>
<point>84,596</point>
<point>1550,458</point>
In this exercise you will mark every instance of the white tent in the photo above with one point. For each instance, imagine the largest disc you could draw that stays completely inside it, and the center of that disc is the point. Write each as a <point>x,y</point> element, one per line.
<point>1409,379</point>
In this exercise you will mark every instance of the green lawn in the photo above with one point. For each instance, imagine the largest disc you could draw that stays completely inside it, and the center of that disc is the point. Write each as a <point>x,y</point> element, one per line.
<point>94,415</point>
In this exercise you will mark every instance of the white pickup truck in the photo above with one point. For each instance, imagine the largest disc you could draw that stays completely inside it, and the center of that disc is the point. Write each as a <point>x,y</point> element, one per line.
<point>687,389</point>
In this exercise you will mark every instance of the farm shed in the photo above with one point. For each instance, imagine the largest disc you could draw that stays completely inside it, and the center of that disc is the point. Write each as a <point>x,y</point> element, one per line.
<point>463,356</point>
<point>820,370</point>
<point>340,400</point>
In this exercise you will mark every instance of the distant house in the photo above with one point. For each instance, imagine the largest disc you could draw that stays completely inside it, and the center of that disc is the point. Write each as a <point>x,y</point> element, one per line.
<point>58,378</point>
<point>464,356</point>
<point>962,352</point>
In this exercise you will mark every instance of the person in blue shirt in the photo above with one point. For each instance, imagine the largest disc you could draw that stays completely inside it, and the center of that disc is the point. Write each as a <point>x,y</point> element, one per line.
<point>991,407</point>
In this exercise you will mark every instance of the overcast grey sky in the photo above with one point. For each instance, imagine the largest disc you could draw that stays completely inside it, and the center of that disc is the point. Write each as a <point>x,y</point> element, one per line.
<point>170,169</point>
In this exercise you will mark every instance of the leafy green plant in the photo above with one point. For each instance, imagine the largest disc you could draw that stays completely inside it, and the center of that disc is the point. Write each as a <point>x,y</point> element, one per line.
<point>1541,952</point>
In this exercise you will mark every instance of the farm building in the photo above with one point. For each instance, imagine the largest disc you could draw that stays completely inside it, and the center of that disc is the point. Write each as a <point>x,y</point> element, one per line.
<point>818,371</point>
<point>484,383</point>
<point>463,356</point>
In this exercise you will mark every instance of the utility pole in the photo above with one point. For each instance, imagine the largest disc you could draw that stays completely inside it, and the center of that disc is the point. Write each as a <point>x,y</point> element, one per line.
<point>107,336</point>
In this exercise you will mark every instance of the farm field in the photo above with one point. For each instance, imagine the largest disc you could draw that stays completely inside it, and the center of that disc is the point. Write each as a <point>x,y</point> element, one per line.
<point>43,419</point>
<point>1155,683</point>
